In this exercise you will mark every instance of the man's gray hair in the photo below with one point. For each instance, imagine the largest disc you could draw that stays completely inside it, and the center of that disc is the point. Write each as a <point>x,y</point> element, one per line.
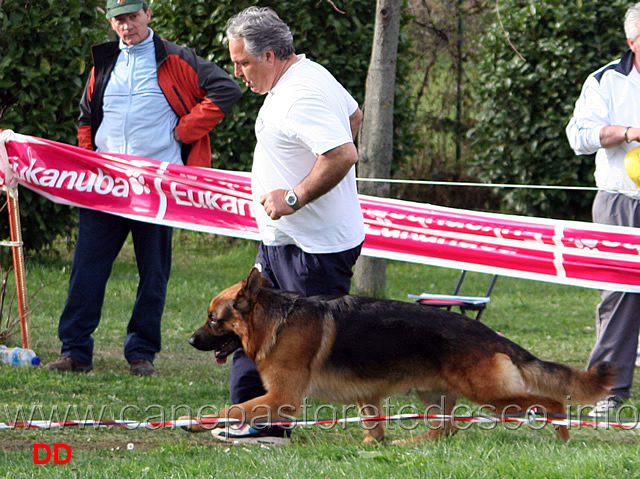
<point>262,29</point>
<point>631,20</point>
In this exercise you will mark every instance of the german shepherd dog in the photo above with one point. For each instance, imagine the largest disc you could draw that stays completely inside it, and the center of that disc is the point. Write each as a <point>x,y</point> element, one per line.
<point>357,349</point>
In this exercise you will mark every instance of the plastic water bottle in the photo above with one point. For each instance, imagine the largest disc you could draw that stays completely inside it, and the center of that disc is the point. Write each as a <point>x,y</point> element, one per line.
<point>20,357</point>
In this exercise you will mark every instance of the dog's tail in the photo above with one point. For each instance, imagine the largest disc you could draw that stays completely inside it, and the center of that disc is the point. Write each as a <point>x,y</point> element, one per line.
<point>567,384</point>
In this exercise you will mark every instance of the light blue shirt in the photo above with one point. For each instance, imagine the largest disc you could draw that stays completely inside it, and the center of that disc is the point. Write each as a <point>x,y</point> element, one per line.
<point>138,119</point>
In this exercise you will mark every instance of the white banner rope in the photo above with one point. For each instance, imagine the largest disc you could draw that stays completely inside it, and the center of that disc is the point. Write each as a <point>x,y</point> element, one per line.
<point>526,418</point>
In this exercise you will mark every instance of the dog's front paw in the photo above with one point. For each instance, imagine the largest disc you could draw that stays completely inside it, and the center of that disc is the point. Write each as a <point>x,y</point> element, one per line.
<point>199,424</point>
<point>195,425</point>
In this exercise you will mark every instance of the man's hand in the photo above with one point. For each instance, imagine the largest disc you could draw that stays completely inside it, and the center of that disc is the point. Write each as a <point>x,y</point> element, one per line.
<point>274,204</point>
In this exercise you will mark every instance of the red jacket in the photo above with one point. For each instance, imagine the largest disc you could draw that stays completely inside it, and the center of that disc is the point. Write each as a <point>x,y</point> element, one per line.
<point>200,93</point>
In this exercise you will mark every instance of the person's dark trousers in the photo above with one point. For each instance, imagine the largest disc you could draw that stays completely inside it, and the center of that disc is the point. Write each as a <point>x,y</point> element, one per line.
<point>290,269</point>
<point>100,239</point>
<point>618,314</point>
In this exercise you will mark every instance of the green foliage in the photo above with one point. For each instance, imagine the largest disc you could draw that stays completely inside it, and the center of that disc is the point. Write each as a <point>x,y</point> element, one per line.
<point>444,56</point>
<point>43,65</point>
<point>525,104</point>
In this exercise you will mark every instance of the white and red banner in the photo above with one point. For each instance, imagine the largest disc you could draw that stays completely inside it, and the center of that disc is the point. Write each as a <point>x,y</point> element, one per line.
<point>217,201</point>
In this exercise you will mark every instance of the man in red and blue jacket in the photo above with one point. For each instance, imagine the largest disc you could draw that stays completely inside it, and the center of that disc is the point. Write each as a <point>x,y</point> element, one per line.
<point>146,97</point>
<point>199,92</point>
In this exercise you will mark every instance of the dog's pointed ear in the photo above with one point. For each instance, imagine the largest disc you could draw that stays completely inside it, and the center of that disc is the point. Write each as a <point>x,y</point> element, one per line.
<point>246,297</point>
<point>255,281</point>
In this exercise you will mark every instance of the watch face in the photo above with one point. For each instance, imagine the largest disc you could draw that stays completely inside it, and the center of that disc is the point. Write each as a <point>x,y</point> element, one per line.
<point>291,199</point>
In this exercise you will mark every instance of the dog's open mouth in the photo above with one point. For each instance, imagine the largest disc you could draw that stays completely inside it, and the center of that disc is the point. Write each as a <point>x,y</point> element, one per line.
<point>225,349</point>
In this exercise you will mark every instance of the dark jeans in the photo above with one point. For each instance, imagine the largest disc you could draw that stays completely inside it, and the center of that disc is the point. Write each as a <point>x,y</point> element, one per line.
<point>291,269</point>
<point>100,239</point>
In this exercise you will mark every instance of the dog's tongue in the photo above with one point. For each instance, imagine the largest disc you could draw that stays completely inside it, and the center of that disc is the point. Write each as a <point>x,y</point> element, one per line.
<point>221,360</point>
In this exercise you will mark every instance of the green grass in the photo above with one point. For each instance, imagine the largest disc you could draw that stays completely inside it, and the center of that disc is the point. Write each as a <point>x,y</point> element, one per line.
<point>554,322</point>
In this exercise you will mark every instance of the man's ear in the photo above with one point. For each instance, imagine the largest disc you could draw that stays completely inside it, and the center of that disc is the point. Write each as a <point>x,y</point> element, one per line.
<point>269,56</point>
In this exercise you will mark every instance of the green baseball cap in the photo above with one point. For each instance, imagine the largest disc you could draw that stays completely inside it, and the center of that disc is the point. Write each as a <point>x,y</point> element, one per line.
<point>122,7</point>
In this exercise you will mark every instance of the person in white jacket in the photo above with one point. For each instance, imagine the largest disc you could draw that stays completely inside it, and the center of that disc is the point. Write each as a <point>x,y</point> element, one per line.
<point>606,121</point>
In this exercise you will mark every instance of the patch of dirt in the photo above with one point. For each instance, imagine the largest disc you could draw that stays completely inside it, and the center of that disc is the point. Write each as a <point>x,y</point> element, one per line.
<point>104,443</point>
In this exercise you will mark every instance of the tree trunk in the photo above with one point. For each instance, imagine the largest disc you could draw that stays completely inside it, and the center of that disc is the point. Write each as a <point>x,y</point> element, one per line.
<point>376,136</point>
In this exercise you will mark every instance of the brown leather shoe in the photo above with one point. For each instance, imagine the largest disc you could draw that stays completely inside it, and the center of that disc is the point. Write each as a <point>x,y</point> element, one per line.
<point>68,364</point>
<point>141,367</point>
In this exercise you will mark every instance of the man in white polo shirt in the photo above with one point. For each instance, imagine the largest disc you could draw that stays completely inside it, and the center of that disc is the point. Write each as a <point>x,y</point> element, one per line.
<point>303,176</point>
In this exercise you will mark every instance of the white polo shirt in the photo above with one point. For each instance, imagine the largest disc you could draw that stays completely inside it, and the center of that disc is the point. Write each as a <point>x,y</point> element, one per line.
<point>306,114</point>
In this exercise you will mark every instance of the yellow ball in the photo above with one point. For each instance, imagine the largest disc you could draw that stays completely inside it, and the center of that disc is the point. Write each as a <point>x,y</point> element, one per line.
<point>632,165</point>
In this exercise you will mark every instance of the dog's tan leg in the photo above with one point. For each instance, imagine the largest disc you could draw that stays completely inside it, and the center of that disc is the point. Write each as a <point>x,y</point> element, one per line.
<point>267,408</point>
<point>373,430</point>
<point>438,403</point>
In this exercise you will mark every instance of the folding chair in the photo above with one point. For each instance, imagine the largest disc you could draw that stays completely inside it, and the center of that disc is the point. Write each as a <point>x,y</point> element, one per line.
<point>465,303</point>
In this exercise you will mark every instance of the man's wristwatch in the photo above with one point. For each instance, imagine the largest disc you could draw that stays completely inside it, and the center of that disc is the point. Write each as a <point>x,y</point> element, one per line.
<point>291,199</point>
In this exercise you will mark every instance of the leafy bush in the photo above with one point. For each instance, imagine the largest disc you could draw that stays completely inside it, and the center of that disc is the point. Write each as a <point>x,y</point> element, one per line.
<point>525,104</point>
<point>44,63</point>
<point>443,61</point>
